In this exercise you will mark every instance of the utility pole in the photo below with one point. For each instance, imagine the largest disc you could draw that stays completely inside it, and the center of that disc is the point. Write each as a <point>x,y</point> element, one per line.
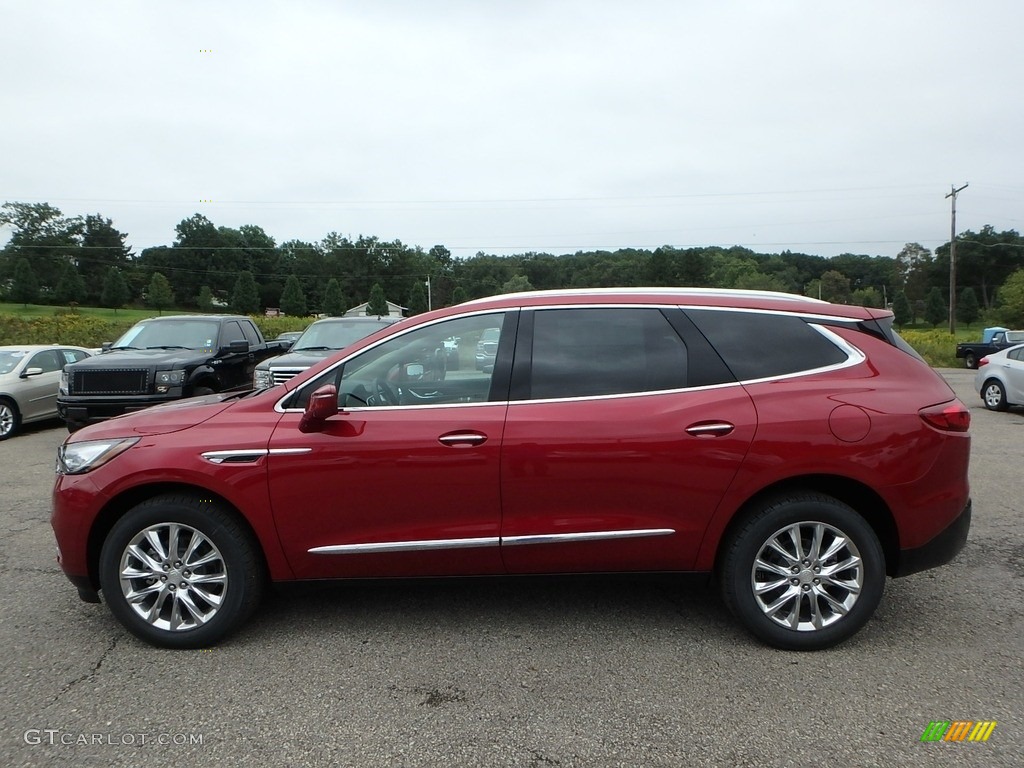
<point>952,258</point>
<point>430,301</point>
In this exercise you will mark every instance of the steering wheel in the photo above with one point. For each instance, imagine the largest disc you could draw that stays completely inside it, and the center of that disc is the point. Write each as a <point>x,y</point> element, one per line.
<point>386,394</point>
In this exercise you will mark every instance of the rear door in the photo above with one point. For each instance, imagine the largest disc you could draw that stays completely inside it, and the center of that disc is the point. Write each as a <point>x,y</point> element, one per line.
<point>623,432</point>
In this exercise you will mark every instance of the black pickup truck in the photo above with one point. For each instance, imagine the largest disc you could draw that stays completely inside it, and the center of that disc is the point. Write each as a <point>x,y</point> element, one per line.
<point>999,338</point>
<point>163,359</point>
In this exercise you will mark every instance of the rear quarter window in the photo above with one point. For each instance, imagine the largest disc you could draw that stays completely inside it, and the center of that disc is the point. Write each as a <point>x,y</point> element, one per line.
<point>760,345</point>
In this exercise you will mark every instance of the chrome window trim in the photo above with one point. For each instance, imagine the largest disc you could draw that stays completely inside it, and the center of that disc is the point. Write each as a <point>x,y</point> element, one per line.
<point>724,293</point>
<point>486,541</point>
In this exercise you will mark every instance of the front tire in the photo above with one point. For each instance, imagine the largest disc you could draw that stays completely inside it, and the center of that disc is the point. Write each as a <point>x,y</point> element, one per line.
<point>805,572</point>
<point>971,360</point>
<point>10,419</point>
<point>179,572</point>
<point>993,394</point>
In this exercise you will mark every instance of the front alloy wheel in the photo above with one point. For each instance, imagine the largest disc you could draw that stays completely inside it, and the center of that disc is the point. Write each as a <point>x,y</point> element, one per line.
<point>994,396</point>
<point>180,572</point>
<point>804,573</point>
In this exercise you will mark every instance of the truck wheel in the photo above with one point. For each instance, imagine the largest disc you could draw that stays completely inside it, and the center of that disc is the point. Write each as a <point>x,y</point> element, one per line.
<point>994,395</point>
<point>970,360</point>
<point>10,418</point>
<point>804,573</point>
<point>179,572</point>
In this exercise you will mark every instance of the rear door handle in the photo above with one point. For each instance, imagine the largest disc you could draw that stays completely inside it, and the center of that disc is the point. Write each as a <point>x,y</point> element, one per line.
<point>462,438</point>
<point>711,429</point>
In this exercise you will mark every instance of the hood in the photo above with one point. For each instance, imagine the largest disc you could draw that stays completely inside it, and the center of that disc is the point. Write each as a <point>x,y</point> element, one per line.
<point>159,419</point>
<point>303,359</point>
<point>159,359</point>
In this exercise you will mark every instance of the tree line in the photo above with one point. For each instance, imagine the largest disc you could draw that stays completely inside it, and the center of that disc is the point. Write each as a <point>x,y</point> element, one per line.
<point>64,260</point>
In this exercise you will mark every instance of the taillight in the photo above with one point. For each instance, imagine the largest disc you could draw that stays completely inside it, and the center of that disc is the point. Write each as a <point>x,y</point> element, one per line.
<point>983,362</point>
<point>949,417</point>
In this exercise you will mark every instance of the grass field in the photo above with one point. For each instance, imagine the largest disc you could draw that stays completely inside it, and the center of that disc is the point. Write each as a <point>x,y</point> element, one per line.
<point>32,311</point>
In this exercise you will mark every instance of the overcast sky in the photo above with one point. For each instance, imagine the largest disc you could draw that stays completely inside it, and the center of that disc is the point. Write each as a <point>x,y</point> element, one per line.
<point>536,125</point>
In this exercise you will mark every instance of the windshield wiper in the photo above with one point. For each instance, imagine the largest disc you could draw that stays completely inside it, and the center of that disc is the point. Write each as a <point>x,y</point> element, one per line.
<point>168,346</point>
<point>311,349</point>
<point>123,347</point>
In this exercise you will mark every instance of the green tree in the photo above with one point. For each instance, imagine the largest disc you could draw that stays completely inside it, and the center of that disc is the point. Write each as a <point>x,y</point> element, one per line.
<point>459,295</point>
<point>159,295</point>
<point>115,290</point>
<point>377,305</point>
<point>1011,300</point>
<point>70,287</point>
<point>835,287</point>
<point>245,298</point>
<point>516,284</point>
<point>25,287</point>
<point>42,234</point>
<point>102,248</point>
<point>333,304</point>
<point>417,300</point>
<point>967,309</point>
<point>935,309</point>
<point>205,299</point>
<point>901,309</point>
<point>866,297</point>
<point>293,299</point>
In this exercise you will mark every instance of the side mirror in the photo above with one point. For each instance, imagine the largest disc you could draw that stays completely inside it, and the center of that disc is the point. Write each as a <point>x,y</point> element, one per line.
<point>236,347</point>
<point>31,372</point>
<point>323,404</point>
<point>106,346</point>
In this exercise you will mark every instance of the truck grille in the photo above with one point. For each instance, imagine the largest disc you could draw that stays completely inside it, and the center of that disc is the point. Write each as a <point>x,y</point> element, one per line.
<point>115,381</point>
<point>281,375</point>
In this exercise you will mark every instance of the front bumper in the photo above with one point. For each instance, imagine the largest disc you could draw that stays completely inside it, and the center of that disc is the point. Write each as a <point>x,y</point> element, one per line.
<point>940,550</point>
<point>90,410</point>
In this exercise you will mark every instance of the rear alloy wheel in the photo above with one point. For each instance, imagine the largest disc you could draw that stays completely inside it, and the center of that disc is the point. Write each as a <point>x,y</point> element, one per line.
<point>10,419</point>
<point>805,573</point>
<point>994,395</point>
<point>179,572</point>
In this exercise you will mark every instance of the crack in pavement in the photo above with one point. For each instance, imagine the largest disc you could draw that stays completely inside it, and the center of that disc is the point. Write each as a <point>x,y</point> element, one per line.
<point>87,676</point>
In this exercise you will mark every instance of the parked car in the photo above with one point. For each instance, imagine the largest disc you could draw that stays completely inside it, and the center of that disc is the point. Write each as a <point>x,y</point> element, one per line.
<point>319,340</point>
<point>486,349</point>
<point>798,450</point>
<point>162,359</point>
<point>1000,378</point>
<point>29,379</point>
<point>992,340</point>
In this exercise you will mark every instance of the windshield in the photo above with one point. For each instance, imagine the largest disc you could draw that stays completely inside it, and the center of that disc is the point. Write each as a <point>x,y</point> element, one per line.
<point>336,334</point>
<point>189,334</point>
<point>10,359</point>
<point>1015,337</point>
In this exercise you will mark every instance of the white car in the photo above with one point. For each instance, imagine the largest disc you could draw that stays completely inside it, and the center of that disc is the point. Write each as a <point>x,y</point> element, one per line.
<point>1000,378</point>
<point>29,381</point>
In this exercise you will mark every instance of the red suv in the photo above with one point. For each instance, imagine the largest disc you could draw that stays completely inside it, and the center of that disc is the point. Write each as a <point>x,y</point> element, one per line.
<point>796,450</point>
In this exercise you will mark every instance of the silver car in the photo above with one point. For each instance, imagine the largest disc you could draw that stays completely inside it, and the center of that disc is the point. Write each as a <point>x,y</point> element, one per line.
<point>1000,378</point>
<point>29,381</point>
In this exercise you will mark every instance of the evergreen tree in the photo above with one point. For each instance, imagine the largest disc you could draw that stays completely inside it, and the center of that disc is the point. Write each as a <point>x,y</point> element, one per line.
<point>459,295</point>
<point>935,309</point>
<point>115,290</point>
<point>377,304</point>
<point>245,298</point>
<point>901,309</point>
<point>417,298</point>
<point>205,299</point>
<point>159,295</point>
<point>334,301</point>
<point>293,300</point>
<point>70,287</point>
<point>25,288</point>
<point>967,309</point>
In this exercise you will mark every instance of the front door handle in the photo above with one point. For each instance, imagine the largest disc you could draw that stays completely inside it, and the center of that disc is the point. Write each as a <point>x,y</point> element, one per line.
<point>462,438</point>
<point>711,429</point>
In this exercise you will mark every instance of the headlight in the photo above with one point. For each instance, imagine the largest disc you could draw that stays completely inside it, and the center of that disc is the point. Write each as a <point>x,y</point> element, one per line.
<point>79,458</point>
<point>63,386</point>
<point>262,378</point>
<point>170,378</point>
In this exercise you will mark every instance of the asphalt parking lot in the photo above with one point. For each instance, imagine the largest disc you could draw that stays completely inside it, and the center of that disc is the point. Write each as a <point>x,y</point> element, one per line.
<point>552,672</point>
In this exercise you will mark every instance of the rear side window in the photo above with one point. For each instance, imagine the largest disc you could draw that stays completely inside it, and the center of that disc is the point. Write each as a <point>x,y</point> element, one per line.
<point>604,351</point>
<point>758,345</point>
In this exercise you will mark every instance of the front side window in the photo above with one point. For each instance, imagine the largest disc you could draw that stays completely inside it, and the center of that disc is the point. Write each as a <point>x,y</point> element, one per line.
<point>589,352</point>
<point>48,361</point>
<point>421,367</point>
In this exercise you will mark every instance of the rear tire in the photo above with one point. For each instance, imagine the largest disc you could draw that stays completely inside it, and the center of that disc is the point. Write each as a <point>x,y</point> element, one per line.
<point>970,360</point>
<point>993,394</point>
<point>805,572</point>
<point>179,572</point>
